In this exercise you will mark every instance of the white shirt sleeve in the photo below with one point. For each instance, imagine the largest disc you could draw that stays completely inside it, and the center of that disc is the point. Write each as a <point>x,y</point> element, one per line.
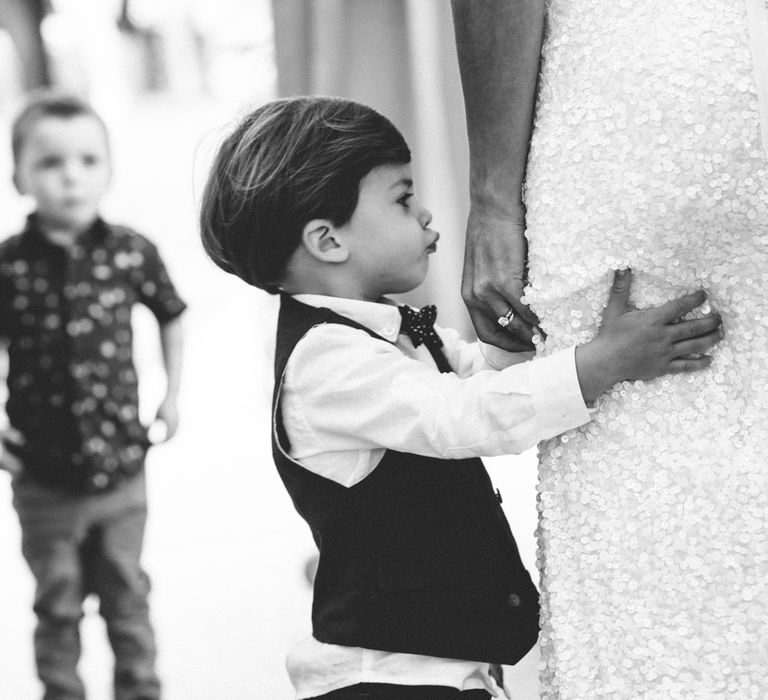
<point>468,358</point>
<point>347,392</point>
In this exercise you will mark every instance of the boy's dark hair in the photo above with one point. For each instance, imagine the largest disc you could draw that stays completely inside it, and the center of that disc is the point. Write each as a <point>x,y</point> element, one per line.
<point>43,103</point>
<point>286,163</point>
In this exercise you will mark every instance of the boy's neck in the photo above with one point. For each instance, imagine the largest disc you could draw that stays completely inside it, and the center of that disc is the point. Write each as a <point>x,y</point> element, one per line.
<point>64,236</point>
<point>341,291</point>
<point>329,284</point>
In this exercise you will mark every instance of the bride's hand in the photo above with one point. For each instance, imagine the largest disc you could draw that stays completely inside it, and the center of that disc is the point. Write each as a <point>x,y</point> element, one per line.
<point>494,277</point>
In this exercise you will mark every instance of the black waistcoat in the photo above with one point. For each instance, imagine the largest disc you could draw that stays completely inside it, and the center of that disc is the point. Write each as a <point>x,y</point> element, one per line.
<point>416,558</point>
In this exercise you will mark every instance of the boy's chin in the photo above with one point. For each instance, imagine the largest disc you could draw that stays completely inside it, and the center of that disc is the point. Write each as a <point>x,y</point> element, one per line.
<point>400,289</point>
<point>74,224</point>
<point>393,287</point>
<point>408,285</point>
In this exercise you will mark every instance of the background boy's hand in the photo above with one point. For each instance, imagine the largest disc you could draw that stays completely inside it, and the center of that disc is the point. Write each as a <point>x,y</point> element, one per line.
<point>8,461</point>
<point>634,344</point>
<point>168,415</point>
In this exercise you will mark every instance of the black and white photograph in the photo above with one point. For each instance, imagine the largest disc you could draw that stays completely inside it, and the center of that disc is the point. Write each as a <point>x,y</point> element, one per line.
<point>384,349</point>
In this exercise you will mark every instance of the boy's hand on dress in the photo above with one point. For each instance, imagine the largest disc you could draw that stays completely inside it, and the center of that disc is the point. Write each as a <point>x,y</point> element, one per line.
<point>634,344</point>
<point>8,461</point>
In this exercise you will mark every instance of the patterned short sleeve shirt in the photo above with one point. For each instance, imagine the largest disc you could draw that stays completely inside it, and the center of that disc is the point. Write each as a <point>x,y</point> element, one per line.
<point>66,316</point>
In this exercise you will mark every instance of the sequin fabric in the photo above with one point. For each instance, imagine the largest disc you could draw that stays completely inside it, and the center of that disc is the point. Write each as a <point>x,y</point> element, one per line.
<point>72,386</point>
<point>653,529</point>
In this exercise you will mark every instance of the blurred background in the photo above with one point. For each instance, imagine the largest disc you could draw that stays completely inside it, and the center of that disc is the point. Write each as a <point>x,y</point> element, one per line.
<point>225,549</point>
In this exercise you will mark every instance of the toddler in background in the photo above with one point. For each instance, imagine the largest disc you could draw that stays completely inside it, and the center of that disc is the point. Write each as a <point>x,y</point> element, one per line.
<point>75,447</point>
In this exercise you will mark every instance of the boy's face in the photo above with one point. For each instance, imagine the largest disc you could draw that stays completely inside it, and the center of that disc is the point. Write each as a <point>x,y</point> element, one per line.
<point>64,165</point>
<point>388,235</point>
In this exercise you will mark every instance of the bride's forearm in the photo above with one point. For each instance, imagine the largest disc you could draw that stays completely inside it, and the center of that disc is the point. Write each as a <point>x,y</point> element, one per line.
<point>499,44</point>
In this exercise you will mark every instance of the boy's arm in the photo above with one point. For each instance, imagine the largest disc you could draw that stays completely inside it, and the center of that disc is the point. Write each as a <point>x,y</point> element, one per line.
<point>345,391</point>
<point>171,341</point>
<point>157,292</point>
<point>467,357</point>
<point>9,462</point>
<point>499,45</point>
<point>8,435</point>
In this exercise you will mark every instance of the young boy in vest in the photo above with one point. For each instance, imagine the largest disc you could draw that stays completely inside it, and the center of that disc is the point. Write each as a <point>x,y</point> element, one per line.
<point>379,418</point>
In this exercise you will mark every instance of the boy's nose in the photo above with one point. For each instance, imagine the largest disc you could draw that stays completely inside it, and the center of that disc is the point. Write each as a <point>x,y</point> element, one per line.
<point>71,171</point>
<point>425,217</point>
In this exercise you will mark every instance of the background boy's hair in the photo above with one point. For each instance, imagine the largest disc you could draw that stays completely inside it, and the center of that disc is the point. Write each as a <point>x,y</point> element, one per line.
<point>286,163</point>
<point>47,102</point>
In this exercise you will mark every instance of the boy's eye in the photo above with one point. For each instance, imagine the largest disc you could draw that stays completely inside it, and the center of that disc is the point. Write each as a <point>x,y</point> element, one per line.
<point>49,162</point>
<point>404,199</point>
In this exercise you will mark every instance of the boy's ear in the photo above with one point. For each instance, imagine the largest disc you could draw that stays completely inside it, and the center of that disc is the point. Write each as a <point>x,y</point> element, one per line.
<point>17,182</point>
<point>323,241</point>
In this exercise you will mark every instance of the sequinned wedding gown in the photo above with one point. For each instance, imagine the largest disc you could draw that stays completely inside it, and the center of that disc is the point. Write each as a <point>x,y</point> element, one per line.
<point>653,537</point>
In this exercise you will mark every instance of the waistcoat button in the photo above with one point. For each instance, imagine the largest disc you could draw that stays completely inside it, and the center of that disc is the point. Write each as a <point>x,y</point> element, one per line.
<point>514,600</point>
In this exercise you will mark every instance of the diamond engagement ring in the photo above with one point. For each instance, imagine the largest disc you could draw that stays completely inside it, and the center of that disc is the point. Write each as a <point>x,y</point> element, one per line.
<point>506,319</point>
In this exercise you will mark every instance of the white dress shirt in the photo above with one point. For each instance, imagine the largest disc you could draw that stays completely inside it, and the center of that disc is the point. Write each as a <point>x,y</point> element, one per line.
<point>347,397</point>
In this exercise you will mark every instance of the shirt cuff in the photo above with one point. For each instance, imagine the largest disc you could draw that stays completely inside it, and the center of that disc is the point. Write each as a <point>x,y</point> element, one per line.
<point>167,314</point>
<point>498,358</point>
<point>557,397</point>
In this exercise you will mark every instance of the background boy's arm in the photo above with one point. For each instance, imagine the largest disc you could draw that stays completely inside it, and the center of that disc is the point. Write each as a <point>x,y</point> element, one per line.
<point>171,341</point>
<point>499,45</point>
<point>161,298</point>
<point>10,462</point>
<point>8,436</point>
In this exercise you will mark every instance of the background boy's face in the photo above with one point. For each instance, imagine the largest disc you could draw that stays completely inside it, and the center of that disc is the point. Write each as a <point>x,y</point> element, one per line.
<point>64,165</point>
<point>388,235</point>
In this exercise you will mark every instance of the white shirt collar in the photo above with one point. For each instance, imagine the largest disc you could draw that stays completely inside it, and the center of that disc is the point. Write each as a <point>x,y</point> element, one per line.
<point>382,317</point>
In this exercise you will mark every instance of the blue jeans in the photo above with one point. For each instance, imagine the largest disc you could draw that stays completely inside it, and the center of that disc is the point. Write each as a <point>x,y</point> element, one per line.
<point>77,545</point>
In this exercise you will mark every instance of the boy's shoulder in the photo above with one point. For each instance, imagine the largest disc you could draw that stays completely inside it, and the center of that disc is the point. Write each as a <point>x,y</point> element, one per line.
<point>127,236</point>
<point>339,311</point>
<point>11,247</point>
<point>125,240</point>
<point>330,327</point>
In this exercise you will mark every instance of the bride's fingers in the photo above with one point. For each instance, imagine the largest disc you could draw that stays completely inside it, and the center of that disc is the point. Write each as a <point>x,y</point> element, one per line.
<point>522,310</point>
<point>508,307</point>
<point>497,323</point>
<point>509,322</point>
<point>485,326</point>
<point>490,332</point>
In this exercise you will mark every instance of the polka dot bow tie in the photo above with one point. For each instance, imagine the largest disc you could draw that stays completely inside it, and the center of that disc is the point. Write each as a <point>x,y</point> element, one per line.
<point>419,325</point>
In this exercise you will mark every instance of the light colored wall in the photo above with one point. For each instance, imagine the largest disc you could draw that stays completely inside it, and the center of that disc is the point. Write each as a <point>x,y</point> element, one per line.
<point>399,57</point>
